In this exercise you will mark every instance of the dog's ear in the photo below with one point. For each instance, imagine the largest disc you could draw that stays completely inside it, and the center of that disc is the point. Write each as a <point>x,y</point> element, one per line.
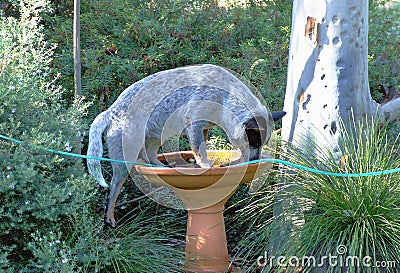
<point>278,115</point>
<point>255,123</point>
<point>255,131</point>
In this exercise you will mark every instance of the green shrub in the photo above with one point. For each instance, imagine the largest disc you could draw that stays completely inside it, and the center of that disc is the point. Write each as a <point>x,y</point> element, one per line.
<point>141,244</point>
<point>124,41</point>
<point>384,48</point>
<point>48,219</point>
<point>38,190</point>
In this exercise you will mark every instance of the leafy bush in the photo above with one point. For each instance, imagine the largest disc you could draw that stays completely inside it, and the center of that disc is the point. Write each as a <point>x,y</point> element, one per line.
<point>39,192</point>
<point>384,48</point>
<point>144,243</point>
<point>47,202</point>
<point>124,41</point>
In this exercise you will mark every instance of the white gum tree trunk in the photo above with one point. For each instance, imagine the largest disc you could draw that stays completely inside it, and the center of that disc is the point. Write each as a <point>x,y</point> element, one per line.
<point>328,72</point>
<point>327,84</point>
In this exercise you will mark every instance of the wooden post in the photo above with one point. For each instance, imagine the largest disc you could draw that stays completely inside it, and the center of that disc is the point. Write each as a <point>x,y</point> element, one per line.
<point>77,65</point>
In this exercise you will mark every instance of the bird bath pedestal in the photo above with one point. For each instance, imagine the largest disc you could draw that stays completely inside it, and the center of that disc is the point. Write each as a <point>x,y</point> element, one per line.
<point>204,192</point>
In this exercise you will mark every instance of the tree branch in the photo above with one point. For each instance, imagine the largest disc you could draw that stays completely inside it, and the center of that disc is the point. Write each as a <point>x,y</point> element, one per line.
<point>390,111</point>
<point>6,7</point>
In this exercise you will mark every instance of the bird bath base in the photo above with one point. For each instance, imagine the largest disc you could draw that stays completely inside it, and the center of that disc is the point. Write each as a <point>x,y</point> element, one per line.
<point>204,192</point>
<point>206,246</point>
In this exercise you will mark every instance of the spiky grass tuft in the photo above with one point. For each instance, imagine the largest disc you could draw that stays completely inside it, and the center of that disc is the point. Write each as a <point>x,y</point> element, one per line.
<point>356,219</point>
<point>307,218</point>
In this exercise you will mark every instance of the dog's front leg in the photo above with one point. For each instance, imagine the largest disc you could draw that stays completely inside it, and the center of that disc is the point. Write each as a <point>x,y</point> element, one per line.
<point>195,133</point>
<point>150,154</point>
<point>242,145</point>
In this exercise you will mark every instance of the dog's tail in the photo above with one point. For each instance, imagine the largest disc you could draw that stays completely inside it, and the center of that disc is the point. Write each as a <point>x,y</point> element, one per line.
<point>95,148</point>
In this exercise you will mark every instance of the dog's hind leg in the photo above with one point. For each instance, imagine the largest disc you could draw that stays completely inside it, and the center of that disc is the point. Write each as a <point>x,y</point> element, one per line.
<point>120,174</point>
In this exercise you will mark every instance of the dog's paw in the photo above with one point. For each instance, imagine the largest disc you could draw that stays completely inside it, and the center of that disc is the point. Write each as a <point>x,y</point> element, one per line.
<point>111,222</point>
<point>204,165</point>
<point>171,164</point>
<point>232,163</point>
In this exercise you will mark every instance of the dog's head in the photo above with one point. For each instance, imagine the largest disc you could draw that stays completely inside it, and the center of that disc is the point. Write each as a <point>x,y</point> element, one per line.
<point>258,131</point>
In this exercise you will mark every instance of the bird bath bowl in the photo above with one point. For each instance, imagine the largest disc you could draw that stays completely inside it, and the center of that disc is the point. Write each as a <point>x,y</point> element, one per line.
<point>204,192</point>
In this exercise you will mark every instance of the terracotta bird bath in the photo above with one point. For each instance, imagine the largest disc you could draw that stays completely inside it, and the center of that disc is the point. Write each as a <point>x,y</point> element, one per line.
<point>204,192</point>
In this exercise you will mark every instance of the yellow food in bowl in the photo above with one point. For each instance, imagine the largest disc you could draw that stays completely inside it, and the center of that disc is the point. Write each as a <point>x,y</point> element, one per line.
<point>218,157</point>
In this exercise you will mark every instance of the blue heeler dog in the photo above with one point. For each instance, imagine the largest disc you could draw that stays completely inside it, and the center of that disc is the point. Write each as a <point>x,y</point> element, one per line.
<point>187,100</point>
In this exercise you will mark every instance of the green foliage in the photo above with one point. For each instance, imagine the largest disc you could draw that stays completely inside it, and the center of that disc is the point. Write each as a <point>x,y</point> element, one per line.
<point>38,191</point>
<point>124,41</point>
<point>384,48</point>
<point>141,244</point>
<point>218,143</point>
<point>145,244</point>
<point>361,214</point>
<point>47,202</point>
<point>250,222</point>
